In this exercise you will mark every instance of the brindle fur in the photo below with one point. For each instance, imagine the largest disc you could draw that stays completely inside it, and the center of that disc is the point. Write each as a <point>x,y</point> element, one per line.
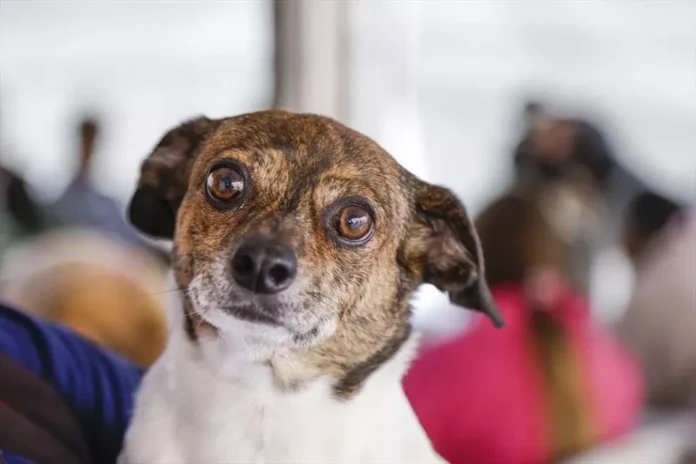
<point>300,165</point>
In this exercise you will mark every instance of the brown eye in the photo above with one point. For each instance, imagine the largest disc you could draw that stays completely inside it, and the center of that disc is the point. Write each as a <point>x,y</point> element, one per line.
<point>354,223</point>
<point>224,185</point>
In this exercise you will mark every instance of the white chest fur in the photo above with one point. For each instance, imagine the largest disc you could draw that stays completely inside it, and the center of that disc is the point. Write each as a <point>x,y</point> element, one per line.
<point>187,412</point>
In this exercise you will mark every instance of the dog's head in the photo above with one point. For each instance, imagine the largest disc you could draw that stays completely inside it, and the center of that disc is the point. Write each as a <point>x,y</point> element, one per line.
<point>304,237</point>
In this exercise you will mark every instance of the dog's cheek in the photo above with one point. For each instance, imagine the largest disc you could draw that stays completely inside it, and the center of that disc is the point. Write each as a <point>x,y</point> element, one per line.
<point>182,251</point>
<point>192,241</point>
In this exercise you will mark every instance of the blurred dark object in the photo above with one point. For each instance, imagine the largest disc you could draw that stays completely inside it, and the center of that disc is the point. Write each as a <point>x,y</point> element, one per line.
<point>660,322</point>
<point>88,133</point>
<point>19,203</point>
<point>35,422</point>
<point>82,204</point>
<point>97,386</point>
<point>689,457</point>
<point>20,215</point>
<point>647,216</point>
<point>553,147</point>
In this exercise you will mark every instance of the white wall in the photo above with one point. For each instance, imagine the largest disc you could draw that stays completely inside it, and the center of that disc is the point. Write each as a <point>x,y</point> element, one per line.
<point>144,65</point>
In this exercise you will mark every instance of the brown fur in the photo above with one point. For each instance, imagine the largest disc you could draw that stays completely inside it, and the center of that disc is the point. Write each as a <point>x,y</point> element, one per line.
<point>300,167</point>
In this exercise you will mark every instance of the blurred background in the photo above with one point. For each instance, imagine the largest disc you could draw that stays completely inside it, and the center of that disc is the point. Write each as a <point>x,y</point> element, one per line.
<point>442,85</point>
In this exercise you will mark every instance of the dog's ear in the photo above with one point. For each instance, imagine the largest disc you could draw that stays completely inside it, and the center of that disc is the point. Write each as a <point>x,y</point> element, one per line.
<point>449,251</point>
<point>164,178</point>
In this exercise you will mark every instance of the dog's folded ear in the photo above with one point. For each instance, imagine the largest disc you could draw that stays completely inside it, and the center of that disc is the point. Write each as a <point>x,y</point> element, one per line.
<point>164,178</point>
<point>449,250</point>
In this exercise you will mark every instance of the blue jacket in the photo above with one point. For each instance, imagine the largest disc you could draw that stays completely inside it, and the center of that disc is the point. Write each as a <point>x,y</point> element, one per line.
<point>97,385</point>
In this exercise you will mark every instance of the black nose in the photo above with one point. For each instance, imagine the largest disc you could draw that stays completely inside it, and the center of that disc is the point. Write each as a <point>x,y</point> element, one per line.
<point>264,266</point>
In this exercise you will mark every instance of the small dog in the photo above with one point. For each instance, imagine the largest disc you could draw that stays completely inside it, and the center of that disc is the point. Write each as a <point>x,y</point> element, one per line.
<point>297,246</point>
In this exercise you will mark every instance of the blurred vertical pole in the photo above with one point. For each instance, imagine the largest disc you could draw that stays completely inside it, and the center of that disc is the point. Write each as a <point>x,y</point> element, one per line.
<point>310,56</point>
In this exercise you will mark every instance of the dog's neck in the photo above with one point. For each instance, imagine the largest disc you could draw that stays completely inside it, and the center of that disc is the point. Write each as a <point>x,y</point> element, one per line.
<point>233,359</point>
<point>216,358</point>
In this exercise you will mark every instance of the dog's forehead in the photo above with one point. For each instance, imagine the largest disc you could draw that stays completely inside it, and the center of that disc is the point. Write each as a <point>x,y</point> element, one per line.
<point>309,147</point>
<point>302,138</point>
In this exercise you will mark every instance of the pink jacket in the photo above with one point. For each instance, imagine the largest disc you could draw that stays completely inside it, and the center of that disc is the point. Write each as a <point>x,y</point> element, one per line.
<point>480,396</point>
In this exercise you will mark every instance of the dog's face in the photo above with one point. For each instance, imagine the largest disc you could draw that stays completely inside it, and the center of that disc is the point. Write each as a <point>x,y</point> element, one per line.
<point>304,237</point>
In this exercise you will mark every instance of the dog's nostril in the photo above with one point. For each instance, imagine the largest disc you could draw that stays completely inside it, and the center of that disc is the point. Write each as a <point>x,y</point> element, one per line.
<point>243,264</point>
<point>279,274</point>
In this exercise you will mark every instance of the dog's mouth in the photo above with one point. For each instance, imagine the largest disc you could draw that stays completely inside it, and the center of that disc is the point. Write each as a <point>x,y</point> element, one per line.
<point>286,317</point>
<point>299,334</point>
<point>252,312</point>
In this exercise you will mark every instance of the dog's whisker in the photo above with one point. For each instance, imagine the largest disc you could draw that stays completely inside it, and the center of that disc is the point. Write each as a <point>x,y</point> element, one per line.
<point>198,325</point>
<point>178,289</point>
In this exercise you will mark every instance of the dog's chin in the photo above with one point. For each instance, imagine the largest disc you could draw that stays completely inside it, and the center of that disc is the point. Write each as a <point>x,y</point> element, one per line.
<point>250,325</point>
<point>258,321</point>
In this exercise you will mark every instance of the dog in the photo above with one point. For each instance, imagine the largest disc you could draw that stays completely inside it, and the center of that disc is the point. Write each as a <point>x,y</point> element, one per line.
<point>297,245</point>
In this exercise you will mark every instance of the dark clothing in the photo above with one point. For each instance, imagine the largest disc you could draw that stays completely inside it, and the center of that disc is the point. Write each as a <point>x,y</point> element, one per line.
<point>34,419</point>
<point>96,387</point>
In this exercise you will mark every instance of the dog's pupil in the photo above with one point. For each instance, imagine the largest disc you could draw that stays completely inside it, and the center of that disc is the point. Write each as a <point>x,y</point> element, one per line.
<point>229,186</point>
<point>353,222</point>
<point>225,183</point>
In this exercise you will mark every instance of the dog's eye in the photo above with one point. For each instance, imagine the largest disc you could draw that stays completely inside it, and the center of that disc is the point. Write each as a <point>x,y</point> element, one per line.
<point>224,184</point>
<point>354,223</point>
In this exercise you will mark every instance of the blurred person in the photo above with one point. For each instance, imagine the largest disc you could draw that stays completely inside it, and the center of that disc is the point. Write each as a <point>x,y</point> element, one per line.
<point>554,146</point>
<point>82,204</point>
<point>557,152</point>
<point>660,322</point>
<point>551,384</point>
<point>108,292</point>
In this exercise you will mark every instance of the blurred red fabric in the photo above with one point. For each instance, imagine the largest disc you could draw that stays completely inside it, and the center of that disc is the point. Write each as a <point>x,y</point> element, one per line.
<point>480,396</point>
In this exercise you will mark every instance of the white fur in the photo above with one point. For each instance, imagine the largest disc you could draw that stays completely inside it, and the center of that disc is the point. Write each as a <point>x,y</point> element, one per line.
<point>212,402</point>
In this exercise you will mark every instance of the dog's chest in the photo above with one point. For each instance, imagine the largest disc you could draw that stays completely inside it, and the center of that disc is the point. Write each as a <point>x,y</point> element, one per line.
<point>264,427</point>
<point>194,416</point>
